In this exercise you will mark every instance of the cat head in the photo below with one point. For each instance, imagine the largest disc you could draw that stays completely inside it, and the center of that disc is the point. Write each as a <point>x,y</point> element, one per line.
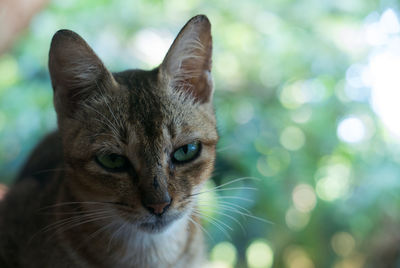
<point>139,142</point>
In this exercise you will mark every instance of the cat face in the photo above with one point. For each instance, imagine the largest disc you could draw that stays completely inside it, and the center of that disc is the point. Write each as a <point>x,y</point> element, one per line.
<point>139,142</point>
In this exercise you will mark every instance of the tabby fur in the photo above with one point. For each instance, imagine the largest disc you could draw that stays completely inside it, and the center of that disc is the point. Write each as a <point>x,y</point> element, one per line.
<point>65,210</point>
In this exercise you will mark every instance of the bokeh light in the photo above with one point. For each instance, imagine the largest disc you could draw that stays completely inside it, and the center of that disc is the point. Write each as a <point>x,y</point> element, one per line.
<point>384,80</point>
<point>301,115</point>
<point>292,138</point>
<point>244,113</point>
<point>9,71</point>
<point>351,130</point>
<point>331,188</point>
<point>343,243</point>
<point>151,46</point>
<point>296,257</point>
<point>292,96</point>
<point>275,160</point>
<point>296,220</point>
<point>356,261</point>
<point>259,255</point>
<point>217,264</point>
<point>224,252</point>
<point>304,198</point>
<point>333,179</point>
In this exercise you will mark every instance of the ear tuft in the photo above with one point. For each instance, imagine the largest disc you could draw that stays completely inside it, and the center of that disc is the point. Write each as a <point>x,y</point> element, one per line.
<point>187,64</point>
<point>75,70</point>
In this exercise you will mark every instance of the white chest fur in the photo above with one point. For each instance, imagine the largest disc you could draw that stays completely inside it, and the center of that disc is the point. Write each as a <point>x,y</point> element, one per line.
<point>150,250</point>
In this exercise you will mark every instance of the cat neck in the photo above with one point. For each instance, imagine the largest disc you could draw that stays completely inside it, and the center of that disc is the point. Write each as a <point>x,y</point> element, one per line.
<point>154,249</point>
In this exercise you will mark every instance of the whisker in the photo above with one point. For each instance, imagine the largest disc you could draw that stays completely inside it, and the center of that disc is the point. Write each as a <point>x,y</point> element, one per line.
<point>201,227</point>
<point>225,148</point>
<point>218,207</point>
<point>114,234</point>
<point>227,207</point>
<point>227,204</point>
<point>81,212</point>
<point>216,222</point>
<point>236,180</point>
<point>73,203</point>
<point>232,197</point>
<point>232,218</point>
<point>75,218</point>
<point>61,230</point>
<point>229,182</point>
<point>94,234</point>
<point>72,219</point>
<point>226,189</point>
<point>244,214</point>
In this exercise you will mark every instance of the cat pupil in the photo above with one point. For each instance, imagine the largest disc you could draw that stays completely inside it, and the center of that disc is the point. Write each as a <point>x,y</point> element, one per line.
<point>185,149</point>
<point>114,157</point>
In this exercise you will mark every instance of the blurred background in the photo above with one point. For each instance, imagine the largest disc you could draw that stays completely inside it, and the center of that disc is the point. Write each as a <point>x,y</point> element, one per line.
<point>308,105</point>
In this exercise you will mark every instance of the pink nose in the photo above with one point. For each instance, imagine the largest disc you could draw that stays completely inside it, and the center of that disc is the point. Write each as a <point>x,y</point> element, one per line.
<point>158,209</point>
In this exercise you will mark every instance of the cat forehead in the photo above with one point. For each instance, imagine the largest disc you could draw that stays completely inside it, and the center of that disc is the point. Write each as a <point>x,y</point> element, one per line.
<point>153,107</point>
<point>147,97</point>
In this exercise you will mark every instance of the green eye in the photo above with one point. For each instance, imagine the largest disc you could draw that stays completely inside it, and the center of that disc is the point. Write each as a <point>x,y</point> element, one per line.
<point>187,152</point>
<point>113,162</point>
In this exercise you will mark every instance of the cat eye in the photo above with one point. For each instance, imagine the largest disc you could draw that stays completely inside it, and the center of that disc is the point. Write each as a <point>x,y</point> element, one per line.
<point>187,152</point>
<point>112,162</point>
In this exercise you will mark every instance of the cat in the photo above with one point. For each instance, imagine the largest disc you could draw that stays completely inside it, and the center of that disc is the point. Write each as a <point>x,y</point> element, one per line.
<point>116,184</point>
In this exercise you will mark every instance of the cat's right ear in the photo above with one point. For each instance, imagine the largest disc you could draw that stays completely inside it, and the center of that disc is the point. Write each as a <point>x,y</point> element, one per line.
<point>75,71</point>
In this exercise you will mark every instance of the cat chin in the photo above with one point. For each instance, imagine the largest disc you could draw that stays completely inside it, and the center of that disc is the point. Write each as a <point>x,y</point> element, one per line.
<point>155,227</point>
<point>161,224</point>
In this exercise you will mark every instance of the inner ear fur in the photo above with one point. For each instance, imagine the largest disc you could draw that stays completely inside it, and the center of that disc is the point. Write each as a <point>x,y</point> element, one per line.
<point>187,65</point>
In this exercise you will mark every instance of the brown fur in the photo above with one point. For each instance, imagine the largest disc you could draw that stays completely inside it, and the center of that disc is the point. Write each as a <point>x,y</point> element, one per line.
<point>142,115</point>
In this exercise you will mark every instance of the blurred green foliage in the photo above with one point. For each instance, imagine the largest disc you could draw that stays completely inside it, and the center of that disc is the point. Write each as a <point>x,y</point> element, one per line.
<point>281,71</point>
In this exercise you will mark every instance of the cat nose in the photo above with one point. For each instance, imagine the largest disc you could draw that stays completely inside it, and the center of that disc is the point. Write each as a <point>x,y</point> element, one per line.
<point>158,208</point>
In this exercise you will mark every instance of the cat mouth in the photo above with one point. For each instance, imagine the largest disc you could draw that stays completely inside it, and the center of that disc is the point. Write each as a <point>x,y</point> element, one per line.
<point>159,224</point>
<point>153,224</point>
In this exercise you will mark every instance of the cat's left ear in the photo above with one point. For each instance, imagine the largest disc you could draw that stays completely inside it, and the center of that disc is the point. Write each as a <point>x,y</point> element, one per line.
<point>187,65</point>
